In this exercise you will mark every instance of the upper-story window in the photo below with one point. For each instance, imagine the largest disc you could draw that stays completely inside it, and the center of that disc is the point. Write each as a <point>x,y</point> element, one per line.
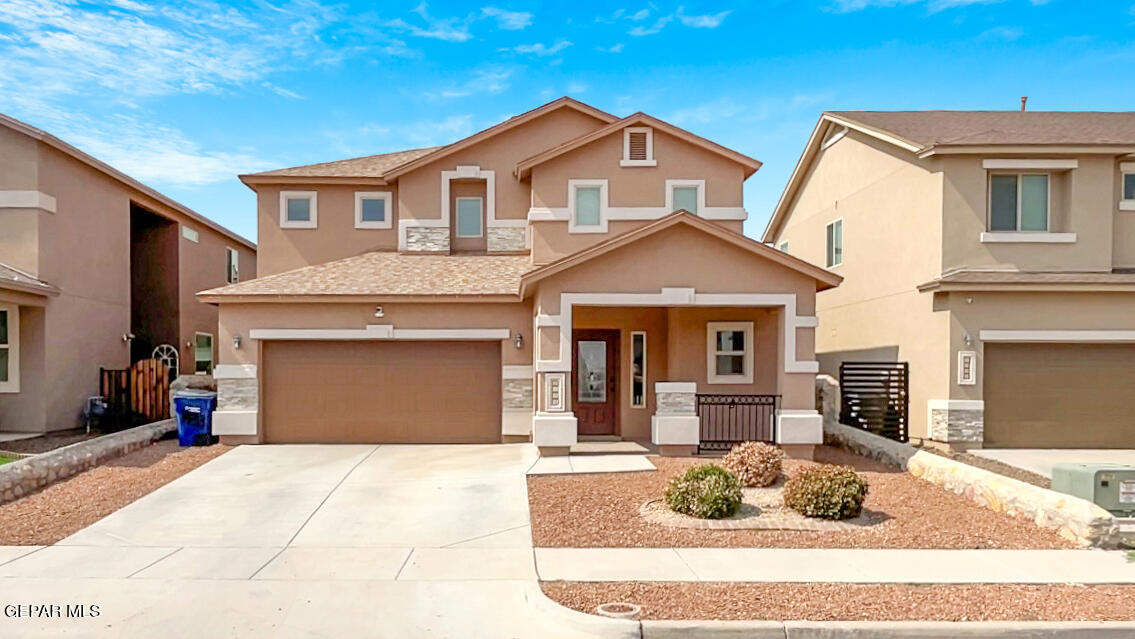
<point>470,213</point>
<point>638,146</point>
<point>1018,201</point>
<point>298,209</point>
<point>685,195</point>
<point>373,210</point>
<point>1127,184</point>
<point>587,206</point>
<point>835,243</point>
<point>232,265</point>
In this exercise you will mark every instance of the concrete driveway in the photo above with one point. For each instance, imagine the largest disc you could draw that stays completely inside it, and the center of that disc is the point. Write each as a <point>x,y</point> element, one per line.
<point>1041,460</point>
<point>305,541</point>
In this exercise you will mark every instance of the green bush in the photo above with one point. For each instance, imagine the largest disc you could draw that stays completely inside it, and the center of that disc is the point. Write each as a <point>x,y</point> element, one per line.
<point>756,464</point>
<point>827,492</point>
<point>706,491</point>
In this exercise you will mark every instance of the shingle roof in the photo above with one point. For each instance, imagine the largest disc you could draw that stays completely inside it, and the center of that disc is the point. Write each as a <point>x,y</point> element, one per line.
<point>389,273</point>
<point>934,128</point>
<point>366,166</point>
<point>11,277</point>
<point>1025,278</point>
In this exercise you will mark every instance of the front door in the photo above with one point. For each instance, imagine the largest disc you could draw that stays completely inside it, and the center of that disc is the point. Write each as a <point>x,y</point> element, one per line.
<point>596,356</point>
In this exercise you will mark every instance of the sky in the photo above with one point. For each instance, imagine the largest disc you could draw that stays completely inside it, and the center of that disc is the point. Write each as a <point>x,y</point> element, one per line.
<point>185,95</point>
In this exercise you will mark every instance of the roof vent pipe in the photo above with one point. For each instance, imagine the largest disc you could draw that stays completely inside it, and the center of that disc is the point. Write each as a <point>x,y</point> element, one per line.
<point>1024,100</point>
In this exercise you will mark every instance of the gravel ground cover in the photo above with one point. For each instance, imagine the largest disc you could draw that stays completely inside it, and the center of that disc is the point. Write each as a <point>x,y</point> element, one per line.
<point>70,505</point>
<point>602,510</point>
<point>51,441</point>
<point>854,602</point>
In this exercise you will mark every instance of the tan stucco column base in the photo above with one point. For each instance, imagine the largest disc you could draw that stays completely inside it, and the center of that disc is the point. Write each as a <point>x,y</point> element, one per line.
<point>799,451</point>
<point>237,440</point>
<point>554,451</point>
<point>677,450</point>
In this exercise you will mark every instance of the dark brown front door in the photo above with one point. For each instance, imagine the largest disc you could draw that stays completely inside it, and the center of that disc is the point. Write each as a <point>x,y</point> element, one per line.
<point>595,353</point>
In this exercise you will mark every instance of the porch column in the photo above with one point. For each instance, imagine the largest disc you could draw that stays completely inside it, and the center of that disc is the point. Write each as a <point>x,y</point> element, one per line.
<point>554,429</point>
<point>675,427</point>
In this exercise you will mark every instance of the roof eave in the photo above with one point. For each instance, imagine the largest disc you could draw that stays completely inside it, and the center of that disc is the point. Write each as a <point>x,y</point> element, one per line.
<point>1060,149</point>
<point>254,179</point>
<point>210,297</point>
<point>45,290</point>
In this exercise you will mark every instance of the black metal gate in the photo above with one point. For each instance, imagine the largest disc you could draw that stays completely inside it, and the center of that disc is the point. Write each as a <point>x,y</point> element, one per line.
<point>729,419</point>
<point>875,396</point>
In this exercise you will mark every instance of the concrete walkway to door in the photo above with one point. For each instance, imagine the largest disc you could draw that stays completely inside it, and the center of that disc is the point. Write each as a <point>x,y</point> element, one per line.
<point>290,541</point>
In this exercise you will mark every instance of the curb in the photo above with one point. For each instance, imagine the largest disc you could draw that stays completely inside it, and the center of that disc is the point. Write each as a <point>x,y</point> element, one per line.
<point>887,629</point>
<point>592,625</point>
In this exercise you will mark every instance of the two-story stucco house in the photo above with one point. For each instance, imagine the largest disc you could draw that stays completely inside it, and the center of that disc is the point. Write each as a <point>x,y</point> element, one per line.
<point>992,250</point>
<point>563,274</point>
<point>97,270</point>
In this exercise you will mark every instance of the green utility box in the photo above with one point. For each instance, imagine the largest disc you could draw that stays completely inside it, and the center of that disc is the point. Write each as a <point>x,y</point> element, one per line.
<point>1109,486</point>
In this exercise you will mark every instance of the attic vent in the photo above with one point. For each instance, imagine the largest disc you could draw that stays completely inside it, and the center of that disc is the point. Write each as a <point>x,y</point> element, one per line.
<point>637,146</point>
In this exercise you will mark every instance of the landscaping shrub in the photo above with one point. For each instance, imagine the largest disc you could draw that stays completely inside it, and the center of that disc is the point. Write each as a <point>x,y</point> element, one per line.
<point>706,491</point>
<point>754,463</point>
<point>827,492</point>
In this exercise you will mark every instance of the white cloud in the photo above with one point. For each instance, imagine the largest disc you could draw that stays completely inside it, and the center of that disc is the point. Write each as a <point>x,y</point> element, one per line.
<point>708,21</point>
<point>615,48</point>
<point>577,88</point>
<point>847,6</point>
<point>641,14</point>
<point>658,25</point>
<point>508,20</point>
<point>540,49</point>
<point>1001,33</point>
<point>447,29</point>
<point>708,112</point>
<point>486,80</point>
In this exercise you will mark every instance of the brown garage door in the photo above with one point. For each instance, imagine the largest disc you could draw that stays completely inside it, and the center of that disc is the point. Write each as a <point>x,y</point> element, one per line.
<point>382,392</point>
<point>1060,395</point>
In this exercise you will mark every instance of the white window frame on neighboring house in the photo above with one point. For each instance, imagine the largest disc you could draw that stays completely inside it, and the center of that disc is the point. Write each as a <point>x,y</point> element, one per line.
<point>312,197</point>
<point>711,353</point>
<point>830,244</point>
<point>1125,169</point>
<point>212,353</point>
<point>388,205</point>
<point>232,265</point>
<point>573,186</point>
<point>480,216</point>
<point>685,184</point>
<point>12,313</point>
<point>626,160</point>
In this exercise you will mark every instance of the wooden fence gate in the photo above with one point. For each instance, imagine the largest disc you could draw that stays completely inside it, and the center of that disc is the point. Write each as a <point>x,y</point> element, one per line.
<point>875,396</point>
<point>138,393</point>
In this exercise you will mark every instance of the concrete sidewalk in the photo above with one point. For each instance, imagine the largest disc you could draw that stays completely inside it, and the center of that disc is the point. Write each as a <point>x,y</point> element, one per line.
<point>834,565</point>
<point>1041,461</point>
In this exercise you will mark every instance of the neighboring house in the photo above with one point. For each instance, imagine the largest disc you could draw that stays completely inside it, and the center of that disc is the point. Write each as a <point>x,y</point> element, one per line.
<point>994,251</point>
<point>536,279</point>
<point>88,258</point>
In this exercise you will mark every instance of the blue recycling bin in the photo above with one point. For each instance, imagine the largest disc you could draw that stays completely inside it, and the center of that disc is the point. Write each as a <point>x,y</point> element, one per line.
<point>194,410</point>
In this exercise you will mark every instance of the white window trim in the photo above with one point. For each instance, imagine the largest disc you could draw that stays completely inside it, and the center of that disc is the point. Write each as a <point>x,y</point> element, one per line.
<point>1029,164</point>
<point>212,351</point>
<point>649,161</point>
<point>1125,169</point>
<point>13,383</point>
<point>480,220</point>
<point>963,379</point>
<point>1020,184</point>
<point>190,234</point>
<point>672,184</point>
<point>232,263</point>
<point>830,224</point>
<point>644,363</point>
<point>313,196</point>
<point>387,197</point>
<point>1026,237</point>
<point>601,227</point>
<point>711,329</point>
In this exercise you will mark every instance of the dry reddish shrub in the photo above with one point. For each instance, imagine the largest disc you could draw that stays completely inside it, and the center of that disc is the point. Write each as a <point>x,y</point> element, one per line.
<point>756,464</point>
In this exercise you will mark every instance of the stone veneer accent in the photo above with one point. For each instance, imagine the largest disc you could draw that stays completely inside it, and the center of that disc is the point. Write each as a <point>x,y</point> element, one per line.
<point>1075,519</point>
<point>23,476</point>
<point>427,238</point>
<point>237,394</point>
<point>671,403</point>
<point>506,239</point>
<point>516,394</point>
<point>957,425</point>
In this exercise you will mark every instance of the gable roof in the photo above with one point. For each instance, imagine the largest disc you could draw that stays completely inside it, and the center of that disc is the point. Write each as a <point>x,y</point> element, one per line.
<point>97,164</point>
<point>524,167</point>
<point>824,278</point>
<point>366,166</point>
<point>385,273</point>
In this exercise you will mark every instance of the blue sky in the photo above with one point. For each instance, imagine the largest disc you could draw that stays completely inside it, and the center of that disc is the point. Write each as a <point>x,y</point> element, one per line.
<point>185,95</point>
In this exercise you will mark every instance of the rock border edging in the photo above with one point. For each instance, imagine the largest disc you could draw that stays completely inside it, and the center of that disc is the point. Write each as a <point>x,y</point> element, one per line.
<point>24,476</point>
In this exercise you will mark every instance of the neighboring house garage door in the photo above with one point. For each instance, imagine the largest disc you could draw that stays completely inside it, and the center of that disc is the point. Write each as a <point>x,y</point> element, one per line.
<point>1059,395</point>
<point>381,392</point>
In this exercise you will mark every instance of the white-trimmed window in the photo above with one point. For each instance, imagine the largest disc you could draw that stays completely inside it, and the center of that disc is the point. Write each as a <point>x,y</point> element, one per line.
<point>729,352</point>
<point>203,353</point>
<point>638,369</point>
<point>1019,201</point>
<point>299,209</point>
<point>470,217</point>
<point>9,348</point>
<point>1127,186</point>
<point>232,265</point>
<point>638,146</point>
<point>587,205</point>
<point>373,209</point>
<point>835,243</point>
<point>686,195</point>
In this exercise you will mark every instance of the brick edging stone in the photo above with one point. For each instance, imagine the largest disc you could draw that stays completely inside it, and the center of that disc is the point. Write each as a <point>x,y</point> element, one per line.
<point>1077,520</point>
<point>24,476</point>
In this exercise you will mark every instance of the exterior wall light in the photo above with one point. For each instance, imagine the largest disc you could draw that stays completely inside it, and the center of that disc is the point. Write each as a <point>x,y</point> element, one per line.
<point>236,341</point>
<point>519,341</point>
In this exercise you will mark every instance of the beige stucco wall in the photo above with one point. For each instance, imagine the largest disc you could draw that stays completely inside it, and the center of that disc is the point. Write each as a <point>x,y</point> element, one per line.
<point>890,204</point>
